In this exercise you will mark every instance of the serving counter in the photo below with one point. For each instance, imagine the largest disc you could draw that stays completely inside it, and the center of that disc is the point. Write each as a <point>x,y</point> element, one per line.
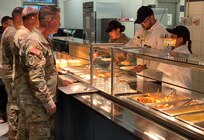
<point>115,102</point>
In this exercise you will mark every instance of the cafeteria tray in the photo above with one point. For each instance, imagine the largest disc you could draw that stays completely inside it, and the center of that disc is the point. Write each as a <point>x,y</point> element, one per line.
<point>192,117</point>
<point>75,68</point>
<point>77,88</point>
<point>68,77</point>
<point>185,110</point>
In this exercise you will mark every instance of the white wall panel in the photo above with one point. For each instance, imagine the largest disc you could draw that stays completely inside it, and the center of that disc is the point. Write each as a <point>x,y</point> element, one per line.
<point>7,6</point>
<point>73,14</point>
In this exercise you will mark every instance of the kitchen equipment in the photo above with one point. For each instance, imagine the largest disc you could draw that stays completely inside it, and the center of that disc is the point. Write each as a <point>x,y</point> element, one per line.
<point>93,12</point>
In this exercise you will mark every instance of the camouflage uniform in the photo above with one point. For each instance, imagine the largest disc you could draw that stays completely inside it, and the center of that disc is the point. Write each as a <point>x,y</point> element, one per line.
<point>7,50</point>
<point>19,41</point>
<point>39,83</point>
<point>122,39</point>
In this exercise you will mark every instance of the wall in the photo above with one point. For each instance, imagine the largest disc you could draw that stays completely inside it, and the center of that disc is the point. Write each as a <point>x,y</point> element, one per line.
<point>7,6</point>
<point>61,5</point>
<point>73,14</point>
<point>196,11</point>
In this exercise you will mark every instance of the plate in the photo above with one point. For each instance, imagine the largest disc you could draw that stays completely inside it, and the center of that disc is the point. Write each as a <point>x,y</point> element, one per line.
<point>127,67</point>
<point>106,59</point>
<point>126,63</point>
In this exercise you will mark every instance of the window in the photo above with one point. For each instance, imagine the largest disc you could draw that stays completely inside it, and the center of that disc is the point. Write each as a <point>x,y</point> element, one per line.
<point>38,3</point>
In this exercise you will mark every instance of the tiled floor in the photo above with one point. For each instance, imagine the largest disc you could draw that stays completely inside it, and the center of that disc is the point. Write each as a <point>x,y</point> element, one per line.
<point>3,131</point>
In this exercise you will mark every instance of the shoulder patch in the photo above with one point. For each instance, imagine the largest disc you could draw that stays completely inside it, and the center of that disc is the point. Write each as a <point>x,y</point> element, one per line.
<point>35,50</point>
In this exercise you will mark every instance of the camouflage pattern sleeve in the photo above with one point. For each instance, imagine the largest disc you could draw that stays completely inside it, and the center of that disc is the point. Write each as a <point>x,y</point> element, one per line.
<point>36,61</point>
<point>20,37</point>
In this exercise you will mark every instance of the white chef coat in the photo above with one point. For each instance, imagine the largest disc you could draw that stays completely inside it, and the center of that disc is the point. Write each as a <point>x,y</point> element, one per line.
<point>177,75</point>
<point>154,38</point>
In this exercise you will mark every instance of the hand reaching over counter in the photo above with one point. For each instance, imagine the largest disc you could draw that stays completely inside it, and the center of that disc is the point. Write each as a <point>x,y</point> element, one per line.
<point>63,81</point>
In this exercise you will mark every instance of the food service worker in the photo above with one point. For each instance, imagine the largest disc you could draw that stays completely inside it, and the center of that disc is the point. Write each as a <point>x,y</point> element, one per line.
<point>150,34</point>
<point>174,74</point>
<point>115,30</point>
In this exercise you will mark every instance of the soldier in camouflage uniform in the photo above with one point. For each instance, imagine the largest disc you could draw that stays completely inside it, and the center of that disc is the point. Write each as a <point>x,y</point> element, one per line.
<point>39,81</point>
<point>7,74</point>
<point>30,21</point>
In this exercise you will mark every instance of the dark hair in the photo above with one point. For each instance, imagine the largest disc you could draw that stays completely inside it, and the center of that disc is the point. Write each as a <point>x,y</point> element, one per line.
<point>185,40</point>
<point>122,28</point>
<point>47,12</point>
<point>114,24</point>
<point>5,19</point>
<point>17,12</point>
<point>182,31</point>
<point>189,46</point>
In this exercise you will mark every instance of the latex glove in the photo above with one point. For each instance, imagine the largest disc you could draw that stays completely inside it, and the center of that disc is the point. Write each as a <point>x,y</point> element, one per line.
<point>140,68</point>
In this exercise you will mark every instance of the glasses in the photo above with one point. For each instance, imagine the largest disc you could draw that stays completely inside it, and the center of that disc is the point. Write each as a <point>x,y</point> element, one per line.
<point>145,20</point>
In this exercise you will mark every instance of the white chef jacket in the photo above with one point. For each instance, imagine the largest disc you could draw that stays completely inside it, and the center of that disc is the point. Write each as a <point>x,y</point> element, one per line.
<point>177,75</point>
<point>154,38</point>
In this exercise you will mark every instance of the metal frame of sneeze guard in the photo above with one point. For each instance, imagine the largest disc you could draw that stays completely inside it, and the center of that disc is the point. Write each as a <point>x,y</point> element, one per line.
<point>102,45</point>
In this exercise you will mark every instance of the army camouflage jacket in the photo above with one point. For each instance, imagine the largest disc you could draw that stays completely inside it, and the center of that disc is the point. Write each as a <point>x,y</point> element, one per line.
<point>40,74</point>
<point>122,39</point>
<point>7,46</point>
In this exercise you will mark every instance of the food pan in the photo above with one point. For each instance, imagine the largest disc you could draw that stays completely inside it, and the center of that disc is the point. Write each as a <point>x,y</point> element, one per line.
<point>192,117</point>
<point>152,98</point>
<point>175,104</point>
<point>185,110</point>
<point>168,105</point>
<point>200,125</point>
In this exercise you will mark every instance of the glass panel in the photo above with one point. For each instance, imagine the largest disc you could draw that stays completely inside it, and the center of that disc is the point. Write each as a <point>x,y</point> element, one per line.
<point>102,67</point>
<point>182,72</point>
<point>129,120</point>
<point>76,62</point>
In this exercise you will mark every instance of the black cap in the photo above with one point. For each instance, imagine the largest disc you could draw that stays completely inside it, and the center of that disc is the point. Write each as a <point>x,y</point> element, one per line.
<point>142,13</point>
<point>180,31</point>
<point>114,24</point>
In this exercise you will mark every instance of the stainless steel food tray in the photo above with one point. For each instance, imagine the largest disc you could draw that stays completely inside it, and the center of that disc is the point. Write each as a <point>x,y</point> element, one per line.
<point>75,68</point>
<point>185,110</point>
<point>175,104</point>
<point>153,98</point>
<point>192,117</point>
<point>200,125</point>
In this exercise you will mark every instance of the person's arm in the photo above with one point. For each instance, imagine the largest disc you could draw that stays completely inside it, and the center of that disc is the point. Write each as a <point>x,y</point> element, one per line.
<point>64,81</point>
<point>36,61</point>
<point>140,68</point>
<point>20,38</point>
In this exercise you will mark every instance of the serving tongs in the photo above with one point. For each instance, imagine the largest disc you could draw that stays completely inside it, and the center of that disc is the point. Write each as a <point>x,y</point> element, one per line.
<point>192,102</point>
<point>172,96</point>
<point>188,102</point>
